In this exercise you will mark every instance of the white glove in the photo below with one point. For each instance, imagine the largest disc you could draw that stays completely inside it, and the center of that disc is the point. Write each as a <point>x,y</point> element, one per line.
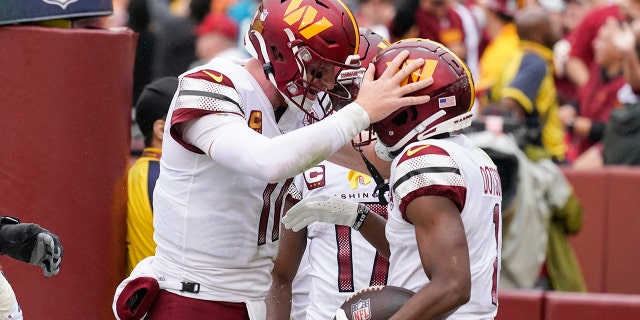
<point>325,209</point>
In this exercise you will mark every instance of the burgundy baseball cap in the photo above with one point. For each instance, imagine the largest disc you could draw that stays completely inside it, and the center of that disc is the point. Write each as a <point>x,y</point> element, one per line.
<point>220,23</point>
<point>136,298</point>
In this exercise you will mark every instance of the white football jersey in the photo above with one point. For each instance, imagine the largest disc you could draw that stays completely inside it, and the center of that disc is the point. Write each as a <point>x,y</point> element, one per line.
<point>213,225</point>
<point>458,170</point>
<point>341,260</point>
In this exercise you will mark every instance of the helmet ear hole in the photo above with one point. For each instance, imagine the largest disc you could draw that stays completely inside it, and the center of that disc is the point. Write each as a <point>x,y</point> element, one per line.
<point>277,55</point>
<point>414,113</point>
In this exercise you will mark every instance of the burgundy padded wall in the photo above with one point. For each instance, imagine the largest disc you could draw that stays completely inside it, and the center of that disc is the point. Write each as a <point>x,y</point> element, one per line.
<point>65,106</point>
<point>622,272</point>
<point>591,189</point>
<point>520,304</point>
<point>591,306</point>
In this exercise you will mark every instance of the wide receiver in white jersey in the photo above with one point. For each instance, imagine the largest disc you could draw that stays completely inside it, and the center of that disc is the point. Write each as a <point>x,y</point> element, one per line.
<point>226,165</point>
<point>341,260</point>
<point>444,226</point>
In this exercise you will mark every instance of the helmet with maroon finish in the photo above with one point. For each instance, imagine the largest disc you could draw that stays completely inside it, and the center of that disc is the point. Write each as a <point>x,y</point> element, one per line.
<point>452,96</point>
<point>370,44</point>
<point>298,41</point>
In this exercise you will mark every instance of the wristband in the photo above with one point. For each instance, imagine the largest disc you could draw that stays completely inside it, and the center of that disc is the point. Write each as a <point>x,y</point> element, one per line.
<point>7,220</point>
<point>363,211</point>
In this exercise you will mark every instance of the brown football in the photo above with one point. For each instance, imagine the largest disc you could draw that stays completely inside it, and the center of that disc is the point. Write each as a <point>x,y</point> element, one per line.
<point>374,303</point>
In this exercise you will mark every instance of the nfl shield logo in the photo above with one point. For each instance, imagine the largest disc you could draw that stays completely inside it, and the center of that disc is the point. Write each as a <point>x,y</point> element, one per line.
<point>361,310</point>
<point>61,3</point>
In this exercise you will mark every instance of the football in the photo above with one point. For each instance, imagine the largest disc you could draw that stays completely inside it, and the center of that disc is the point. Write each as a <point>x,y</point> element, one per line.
<point>373,303</point>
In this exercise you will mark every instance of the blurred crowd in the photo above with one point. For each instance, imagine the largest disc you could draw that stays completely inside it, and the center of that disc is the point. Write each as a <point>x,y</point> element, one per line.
<point>554,80</point>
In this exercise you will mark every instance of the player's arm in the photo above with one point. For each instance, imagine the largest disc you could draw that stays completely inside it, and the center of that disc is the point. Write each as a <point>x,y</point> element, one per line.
<point>290,251</point>
<point>444,254</point>
<point>240,148</point>
<point>372,229</point>
<point>30,243</point>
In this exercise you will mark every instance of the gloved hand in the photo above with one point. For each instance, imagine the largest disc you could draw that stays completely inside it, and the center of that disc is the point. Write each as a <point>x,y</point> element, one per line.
<point>32,244</point>
<point>325,208</point>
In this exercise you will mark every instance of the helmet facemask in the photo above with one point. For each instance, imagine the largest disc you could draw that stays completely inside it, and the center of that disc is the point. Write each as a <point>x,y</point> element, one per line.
<point>316,75</point>
<point>303,45</point>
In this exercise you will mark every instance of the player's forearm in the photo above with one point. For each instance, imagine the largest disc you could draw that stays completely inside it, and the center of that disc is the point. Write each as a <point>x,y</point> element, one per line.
<point>279,300</point>
<point>373,230</point>
<point>433,301</point>
<point>289,154</point>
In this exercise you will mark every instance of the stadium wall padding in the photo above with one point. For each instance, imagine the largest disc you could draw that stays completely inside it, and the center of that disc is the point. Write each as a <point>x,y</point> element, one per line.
<point>65,121</point>
<point>608,246</point>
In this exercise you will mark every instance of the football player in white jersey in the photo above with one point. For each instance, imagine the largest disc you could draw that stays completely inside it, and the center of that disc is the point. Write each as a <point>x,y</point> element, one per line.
<point>226,165</point>
<point>444,226</point>
<point>341,261</point>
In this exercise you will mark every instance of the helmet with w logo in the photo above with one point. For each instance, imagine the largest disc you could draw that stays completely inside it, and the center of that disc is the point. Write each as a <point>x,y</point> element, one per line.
<point>301,41</point>
<point>452,96</point>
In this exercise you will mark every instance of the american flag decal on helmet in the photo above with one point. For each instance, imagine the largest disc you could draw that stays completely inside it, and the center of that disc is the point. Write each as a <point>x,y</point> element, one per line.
<point>446,102</point>
<point>361,310</point>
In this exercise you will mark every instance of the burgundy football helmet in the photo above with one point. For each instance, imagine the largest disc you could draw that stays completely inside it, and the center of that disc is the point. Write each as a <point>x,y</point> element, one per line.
<point>452,96</point>
<point>299,41</point>
<point>370,44</point>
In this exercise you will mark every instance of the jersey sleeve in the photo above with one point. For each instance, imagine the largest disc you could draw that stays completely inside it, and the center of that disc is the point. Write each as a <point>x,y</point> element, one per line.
<point>202,93</point>
<point>427,170</point>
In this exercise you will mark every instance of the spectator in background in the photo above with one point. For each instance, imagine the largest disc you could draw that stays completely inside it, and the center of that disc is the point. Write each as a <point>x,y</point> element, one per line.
<point>430,19</point>
<point>581,53</point>
<point>621,139</point>
<point>175,49</point>
<point>526,87</point>
<point>217,36</point>
<point>140,21</point>
<point>376,15</point>
<point>150,113</point>
<point>585,121</point>
<point>569,18</point>
<point>502,41</point>
<point>472,35</point>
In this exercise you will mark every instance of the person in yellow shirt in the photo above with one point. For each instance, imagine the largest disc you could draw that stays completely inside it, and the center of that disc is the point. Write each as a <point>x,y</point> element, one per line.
<point>503,41</point>
<point>150,112</point>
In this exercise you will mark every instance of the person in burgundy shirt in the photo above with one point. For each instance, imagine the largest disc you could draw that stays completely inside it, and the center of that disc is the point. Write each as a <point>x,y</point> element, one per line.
<point>582,53</point>
<point>586,122</point>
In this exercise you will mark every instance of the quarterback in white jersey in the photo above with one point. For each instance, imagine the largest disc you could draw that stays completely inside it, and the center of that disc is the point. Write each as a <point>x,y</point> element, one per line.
<point>341,260</point>
<point>444,228</point>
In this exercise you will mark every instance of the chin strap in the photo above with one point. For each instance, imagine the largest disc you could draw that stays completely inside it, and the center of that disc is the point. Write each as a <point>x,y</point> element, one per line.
<point>382,185</point>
